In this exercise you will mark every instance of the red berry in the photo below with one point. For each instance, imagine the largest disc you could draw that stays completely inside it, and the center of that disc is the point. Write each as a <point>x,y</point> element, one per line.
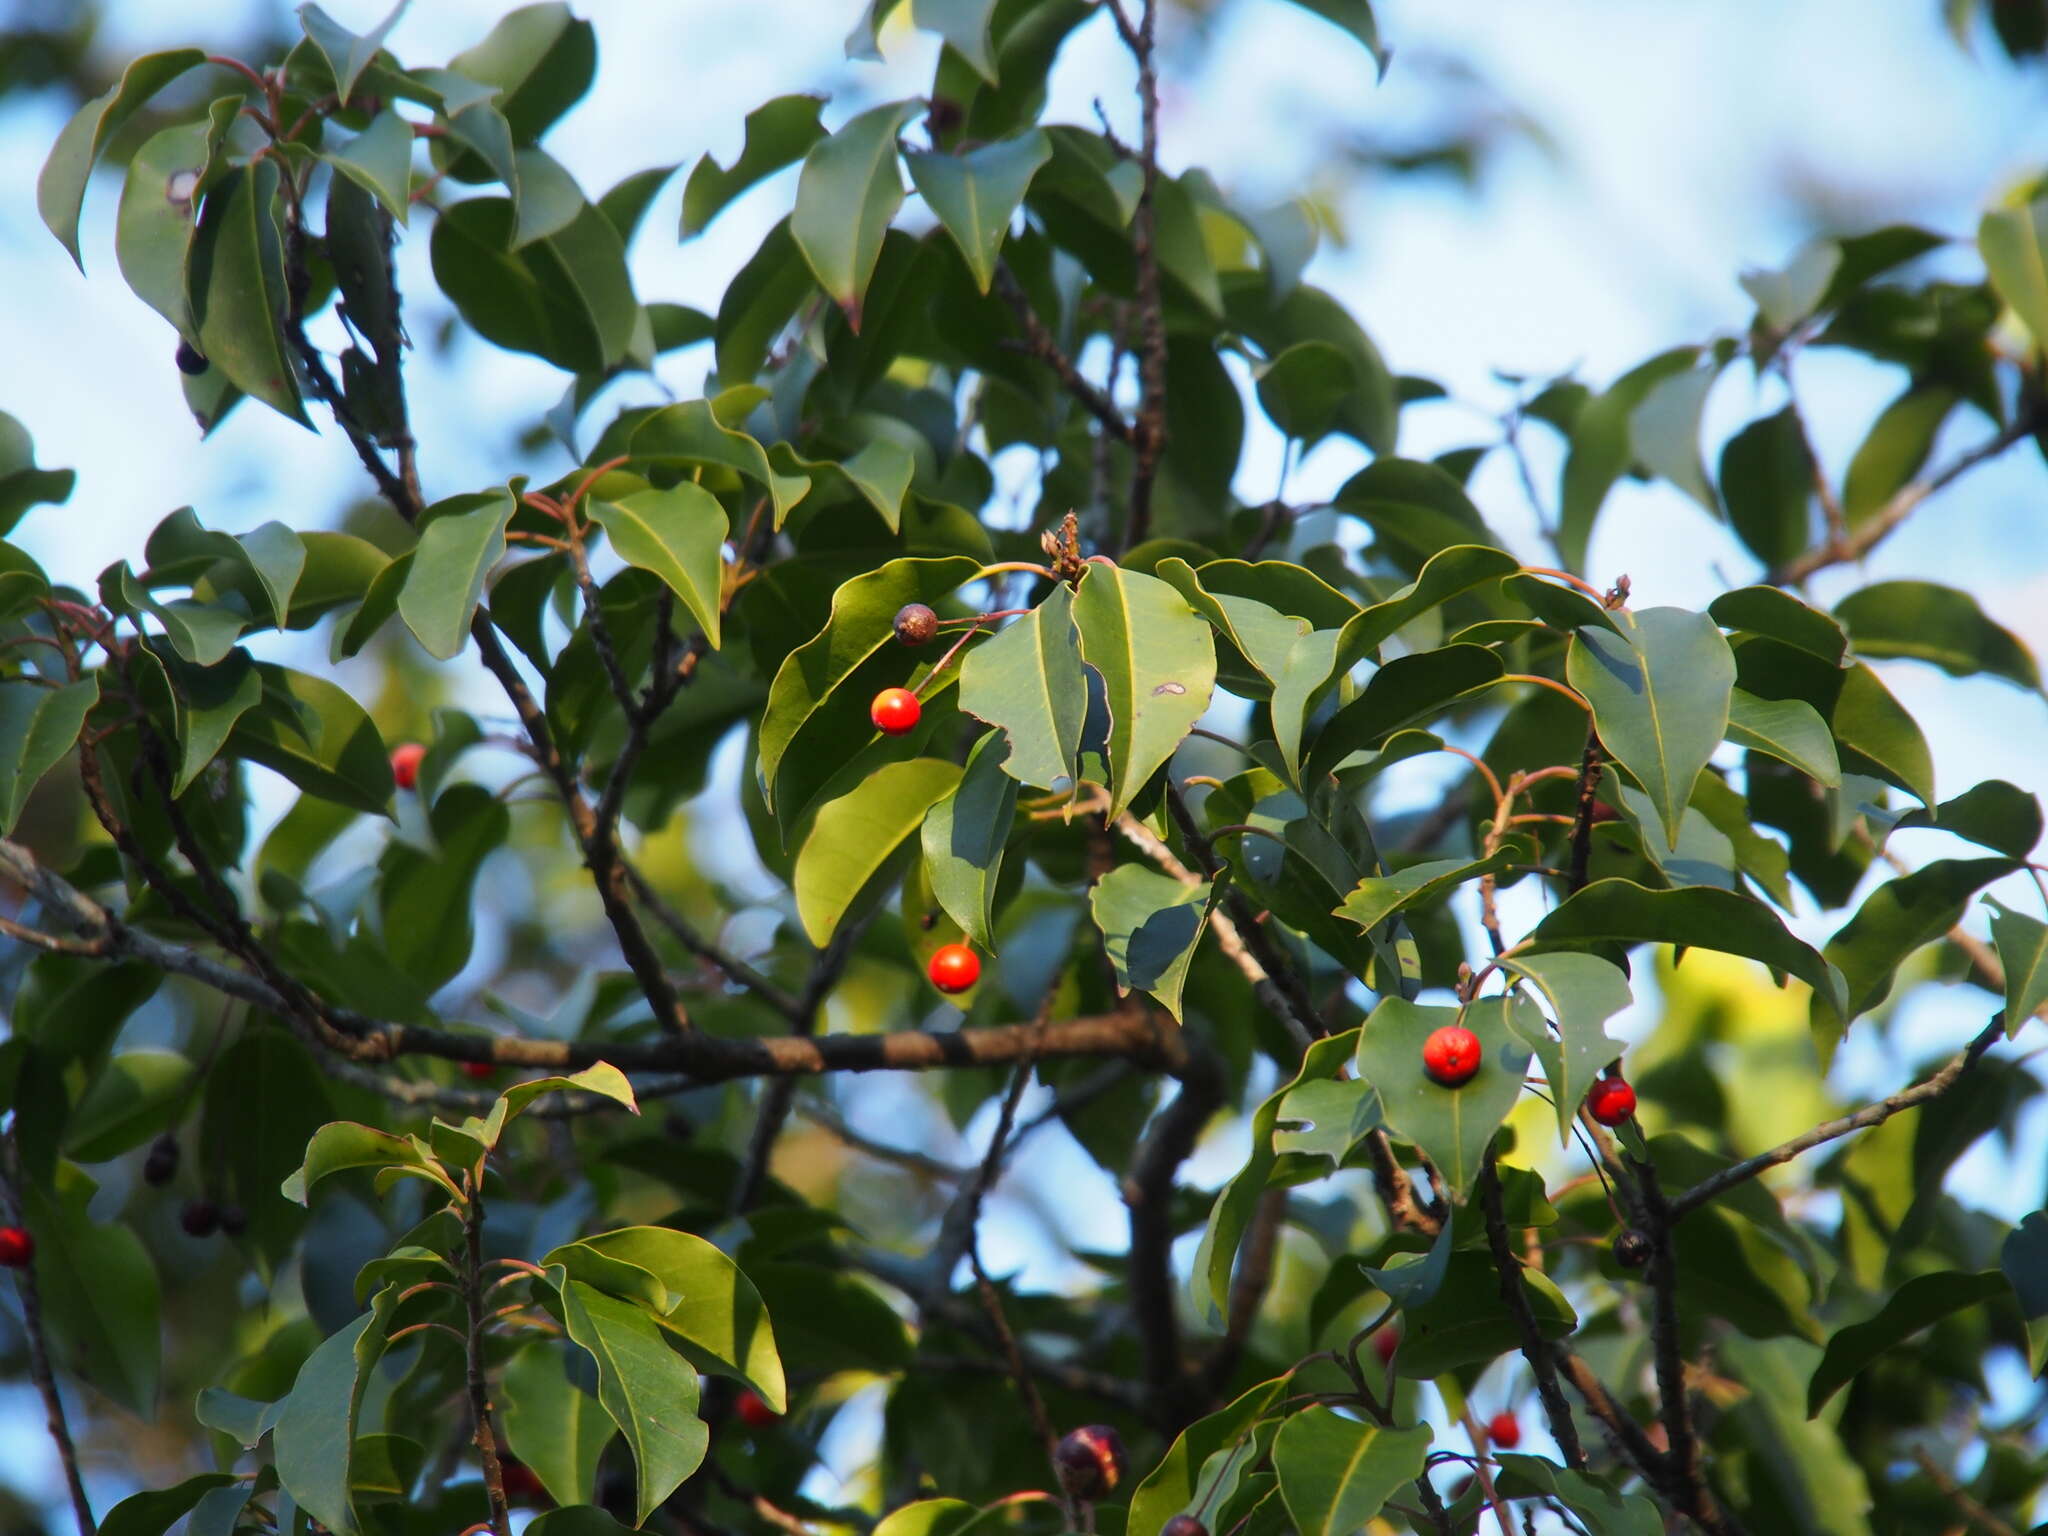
<point>895,711</point>
<point>16,1247</point>
<point>1451,1055</point>
<point>753,1412</point>
<point>954,968</point>
<point>1611,1100</point>
<point>477,1070</point>
<point>405,764</point>
<point>1183,1525</point>
<point>1504,1430</point>
<point>1090,1461</point>
<point>520,1481</point>
<point>1385,1342</point>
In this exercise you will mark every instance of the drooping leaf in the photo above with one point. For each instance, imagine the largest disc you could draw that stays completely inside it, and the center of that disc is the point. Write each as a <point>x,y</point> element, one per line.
<point>1355,17</point>
<point>424,906</point>
<point>1337,1473</point>
<point>2014,244</point>
<point>679,535</point>
<point>644,1385</point>
<point>102,1303</point>
<point>1919,1303</point>
<point>1596,1506</point>
<point>60,188</point>
<point>1790,730</point>
<point>1579,994</point>
<point>314,1440</point>
<point>1942,625</point>
<point>691,435</point>
<point>856,836</point>
<point>238,289</point>
<point>158,215</point>
<point>1602,448</point>
<point>38,726</point>
<point>777,134</point>
<point>1454,1126</point>
<point>976,195</point>
<point>1375,899</point>
<point>848,192</point>
<point>1150,925</point>
<point>1664,432</point>
<point>1660,696</point>
<point>551,1423</point>
<point>318,737</point>
<point>2022,944</point>
<point>1407,691</point>
<point>1767,482</point>
<point>2024,1260</point>
<point>1895,450</point>
<point>461,539</point>
<point>1157,661</point>
<point>1900,916</point>
<point>347,53</point>
<point>1467,1324</point>
<point>964,836</point>
<point>1170,1488</point>
<point>379,160</point>
<point>1030,682</point>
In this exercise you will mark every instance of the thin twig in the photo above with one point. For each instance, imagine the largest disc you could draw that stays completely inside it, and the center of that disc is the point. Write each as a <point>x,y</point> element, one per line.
<point>1954,1492</point>
<point>826,968</point>
<point>30,1295</point>
<point>1535,1348</point>
<point>1148,431</point>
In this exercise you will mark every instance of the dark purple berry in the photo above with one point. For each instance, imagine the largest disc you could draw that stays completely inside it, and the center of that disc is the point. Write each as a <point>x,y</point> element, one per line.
<point>191,360</point>
<point>1632,1248</point>
<point>200,1218</point>
<point>161,1165</point>
<point>916,624</point>
<point>234,1221</point>
<point>1183,1525</point>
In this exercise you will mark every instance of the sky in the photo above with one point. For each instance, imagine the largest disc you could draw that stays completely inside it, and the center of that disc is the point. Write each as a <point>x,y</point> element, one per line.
<point>1686,142</point>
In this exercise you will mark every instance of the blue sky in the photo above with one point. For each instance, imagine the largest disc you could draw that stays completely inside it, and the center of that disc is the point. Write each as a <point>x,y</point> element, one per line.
<point>1689,141</point>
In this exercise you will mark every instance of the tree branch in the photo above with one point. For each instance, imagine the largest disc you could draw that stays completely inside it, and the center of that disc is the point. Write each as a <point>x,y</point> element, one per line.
<point>39,1369</point>
<point>1535,1348</point>
<point>826,970</point>
<point>1148,432</point>
<point>1039,342</point>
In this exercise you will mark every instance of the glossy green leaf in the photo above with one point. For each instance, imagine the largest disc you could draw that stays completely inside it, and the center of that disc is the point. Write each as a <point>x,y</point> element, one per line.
<point>964,836</point>
<point>759,303</point>
<point>976,195</point>
<point>1895,450</point>
<point>1418,512</point>
<point>151,1514</point>
<point>1621,911</point>
<point>855,837</point>
<point>567,298</point>
<point>314,1441</point>
<point>777,134</point>
<point>552,1424</point>
<point>2022,944</point>
<point>807,684</point>
<point>1467,1324</point>
<point>1306,387</point>
<point>2014,244</point>
<point>1157,661</point>
<point>1170,1488</point>
<point>1216,1258</point>
<point>1579,994</point>
<point>1790,730</point>
<point>265,1099</point>
<point>60,188</point>
<point>238,288</point>
<point>1994,814</point>
<point>1337,1473</point>
<point>964,24</point>
<point>679,535</point>
<point>646,1388</point>
<point>1355,17</point>
<point>1660,696</point>
<point>1454,1126</point>
<point>541,59</point>
<point>848,192</point>
<point>878,474</point>
<point>341,1145</point>
<point>1776,613</point>
<point>1375,899</point>
<point>1407,691</point>
<point>461,539</point>
<point>1029,682</point>
<point>38,727</point>
<point>690,435</point>
<point>1444,575</point>
<point>347,53</point>
<point>1767,482</point>
<point>2024,1260</point>
<point>318,737</point>
<point>101,1300</point>
<point>379,160</point>
<point>1929,622</point>
<point>424,898</point>
<point>1899,917</point>
<point>154,228</point>
<point>1305,675</point>
<point>1150,926</point>
<point>1596,1506</point>
<point>1919,1303</point>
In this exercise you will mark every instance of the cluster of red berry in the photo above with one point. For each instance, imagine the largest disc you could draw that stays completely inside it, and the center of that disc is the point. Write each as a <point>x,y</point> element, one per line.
<point>1452,1057</point>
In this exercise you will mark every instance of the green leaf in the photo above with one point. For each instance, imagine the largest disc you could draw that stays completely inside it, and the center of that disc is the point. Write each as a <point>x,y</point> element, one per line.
<point>758,304</point>
<point>964,24</point>
<point>691,435</point>
<point>1467,1324</point>
<point>151,1514</point>
<point>577,1520</point>
<point>964,836</point>
<point>2014,244</point>
<point>976,195</point>
<point>1994,814</point>
<point>1336,1474</point>
<point>343,1144</point>
<point>1602,450</point>
<point>379,160</point>
<point>567,298</point>
<point>679,535</point>
<point>130,1099</point>
<point>1157,661</point>
<point>718,1317</point>
<point>855,837</point>
<point>2022,944</point>
<point>807,692</point>
<point>23,486</point>
<point>347,54</point>
<point>1171,1487</point>
<point>1899,917</point>
<point>1598,1507</point>
<point>1445,575</point>
<point>1417,512</point>
<point>159,200</point>
<point>1919,1303</point>
<point>929,1517</point>
<point>1454,1126</point>
<point>1818,1485</point>
<point>1787,297</point>
<point>1664,432</point>
<point>1375,899</point>
<point>60,188</point>
<point>314,1441</point>
<point>600,1077</point>
<point>552,1424</point>
<point>1355,17</point>
<point>1767,480</point>
<point>1895,451</point>
<point>238,288</point>
<point>1029,682</point>
<point>1790,730</point>
<point>1621,911</point>
<point>1306,387</point>
<point>1150,926</point>
<point>1414,1284</point>
<point>879,474</point>
<point>424,898</point>
<point>848,192</point>
<point>101,1301</point>
<point>38,727</point>
<point>1407,691</point>
<point>1929,622</point>
<point>1579,993</point>
<point>1776,613</point>
<point>461,539</point>
<point>318,737</point>
<point>777,134</point>
<point>1232,1212</point>
<point>541,59</point>
<point>1305,675</point>
<point>1660,695</point>
<point>2024,1260</point>
<point>646,1388</point>
<point>265,1099</point>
